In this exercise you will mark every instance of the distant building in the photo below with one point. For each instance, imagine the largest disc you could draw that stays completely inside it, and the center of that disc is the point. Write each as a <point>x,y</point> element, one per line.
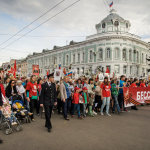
<point>111,47</point>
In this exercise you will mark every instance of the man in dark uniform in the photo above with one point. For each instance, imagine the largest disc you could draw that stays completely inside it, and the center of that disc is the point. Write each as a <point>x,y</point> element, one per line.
<point>48,99</point>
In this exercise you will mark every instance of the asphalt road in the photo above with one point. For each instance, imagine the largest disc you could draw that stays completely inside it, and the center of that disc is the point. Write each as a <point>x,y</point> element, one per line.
<point>128,131</point>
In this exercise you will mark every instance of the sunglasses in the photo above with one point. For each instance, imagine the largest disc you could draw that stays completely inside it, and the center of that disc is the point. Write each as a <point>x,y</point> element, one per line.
<point>12,83</point>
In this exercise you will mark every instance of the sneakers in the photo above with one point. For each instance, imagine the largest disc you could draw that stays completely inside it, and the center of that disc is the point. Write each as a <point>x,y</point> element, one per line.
<point>109,115</point>
<point>102,114</point>
<point>94,113</point>
<point>14,123</point>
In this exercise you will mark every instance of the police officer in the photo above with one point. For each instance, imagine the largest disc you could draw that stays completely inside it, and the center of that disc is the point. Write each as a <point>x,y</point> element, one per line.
<point>48,99</point>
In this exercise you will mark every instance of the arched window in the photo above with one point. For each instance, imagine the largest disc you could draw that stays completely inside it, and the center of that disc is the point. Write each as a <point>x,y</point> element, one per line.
<point>130,55</point>
<point>78,57</point>
<point>83,56</point>
<point>137,56</point>
<point>55,60</point>
<point>67,60</point>
<point>124,55</point>
<point>116,53</point>
<point>146,58</point>
<point>74,58</point>
<point>91,55</point>
<point>108,53</point>
<point>142,58</point>
<point>100,53</point>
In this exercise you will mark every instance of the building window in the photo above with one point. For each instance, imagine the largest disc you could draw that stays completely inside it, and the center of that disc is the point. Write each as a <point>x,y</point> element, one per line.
<point>55,60</point>
<point>78,57</point>
<point>124,56</point>
<point>116,68</point>
<point>137,56</point>
<point>124,69</point>
<point>77,70</point>
<point>130,69</point>
<point>116,53</point>
<point>67,60</point>
<point>137,71</point>
<point>83,56</point>
<point>91,55</point>
<point>108,53</point>
<point>142,58</point>
<point>74,58</point>
<point>100,54</point>
<point>60,60</point>
<point>82,70</point>
<point>146,58</point>
<point>143,71</point>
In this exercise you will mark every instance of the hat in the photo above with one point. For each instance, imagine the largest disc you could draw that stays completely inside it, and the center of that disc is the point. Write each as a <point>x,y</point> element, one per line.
<point>84,88</point>
<point>50,75</point>
<point>76,88</point>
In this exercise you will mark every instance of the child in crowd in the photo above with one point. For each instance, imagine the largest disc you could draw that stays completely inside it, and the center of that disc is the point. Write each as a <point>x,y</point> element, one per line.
<point>76,102</point>
<point>7,112</point>
<point>85,100</point>
<point>114,93</point>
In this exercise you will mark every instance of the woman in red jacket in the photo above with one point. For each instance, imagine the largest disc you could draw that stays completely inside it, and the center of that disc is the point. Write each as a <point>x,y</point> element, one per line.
<point>32,94</point>
<point>106,95</point>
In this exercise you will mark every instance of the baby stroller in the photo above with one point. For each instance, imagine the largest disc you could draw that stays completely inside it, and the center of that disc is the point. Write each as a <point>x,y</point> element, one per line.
<point>8,121</point>
<point>18,108</point>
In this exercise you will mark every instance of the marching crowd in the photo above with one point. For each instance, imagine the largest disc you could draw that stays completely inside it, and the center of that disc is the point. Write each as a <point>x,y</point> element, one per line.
<point>86,96</point>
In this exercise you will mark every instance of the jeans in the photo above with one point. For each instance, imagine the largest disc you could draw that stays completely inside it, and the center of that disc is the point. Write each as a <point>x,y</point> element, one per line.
<point>76,107</point>
<point>116,104</point>
<point>106,101</point>
<point>84,109</point>
<point>66,107</point>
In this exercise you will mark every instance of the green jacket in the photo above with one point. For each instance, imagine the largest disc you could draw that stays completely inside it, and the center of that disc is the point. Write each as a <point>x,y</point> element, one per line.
<point>114,90</point>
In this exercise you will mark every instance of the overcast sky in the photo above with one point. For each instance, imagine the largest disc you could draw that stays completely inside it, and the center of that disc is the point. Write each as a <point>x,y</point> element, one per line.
<point>73,24</point>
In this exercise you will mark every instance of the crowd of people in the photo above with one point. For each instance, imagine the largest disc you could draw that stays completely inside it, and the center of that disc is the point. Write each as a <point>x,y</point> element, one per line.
<point>86,96</point>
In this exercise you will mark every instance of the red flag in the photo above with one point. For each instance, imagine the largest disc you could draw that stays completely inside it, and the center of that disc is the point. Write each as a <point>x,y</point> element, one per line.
<point>47,72</point>
<point>107,70</point>
<point>64,71</point>
<point>15,69</point>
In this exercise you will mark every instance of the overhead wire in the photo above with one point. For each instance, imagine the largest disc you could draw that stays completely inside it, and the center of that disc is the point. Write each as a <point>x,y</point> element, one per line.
<point>32,22</point>
<point>42,23</point>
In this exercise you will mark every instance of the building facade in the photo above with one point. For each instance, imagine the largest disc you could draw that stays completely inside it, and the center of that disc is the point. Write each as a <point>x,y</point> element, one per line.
<point>111,47</point>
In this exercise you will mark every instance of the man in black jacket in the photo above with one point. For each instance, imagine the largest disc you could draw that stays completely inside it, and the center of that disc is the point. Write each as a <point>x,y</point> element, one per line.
<point>48,99</point>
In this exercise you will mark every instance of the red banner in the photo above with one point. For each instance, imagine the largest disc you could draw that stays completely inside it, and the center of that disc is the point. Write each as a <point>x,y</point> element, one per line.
<point>35,70</point>
<point>136,95</point>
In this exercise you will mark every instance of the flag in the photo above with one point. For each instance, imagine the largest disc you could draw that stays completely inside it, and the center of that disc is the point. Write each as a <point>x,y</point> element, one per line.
<point>111,4</point>
<point>15,69</point>
<point>64,71</point>
<point>107,70</point>
<point>59,66</point>
<point>69,74</point>
<point>47,72</point>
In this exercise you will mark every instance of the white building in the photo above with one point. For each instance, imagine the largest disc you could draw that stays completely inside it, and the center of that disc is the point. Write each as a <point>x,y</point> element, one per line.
<point>112,46</point>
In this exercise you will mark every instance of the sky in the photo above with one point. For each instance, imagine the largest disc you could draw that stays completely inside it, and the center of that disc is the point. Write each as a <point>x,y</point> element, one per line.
<point>75,23</point>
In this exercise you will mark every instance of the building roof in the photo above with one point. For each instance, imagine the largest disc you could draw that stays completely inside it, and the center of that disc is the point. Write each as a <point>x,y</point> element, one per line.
<point>113,16</point>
